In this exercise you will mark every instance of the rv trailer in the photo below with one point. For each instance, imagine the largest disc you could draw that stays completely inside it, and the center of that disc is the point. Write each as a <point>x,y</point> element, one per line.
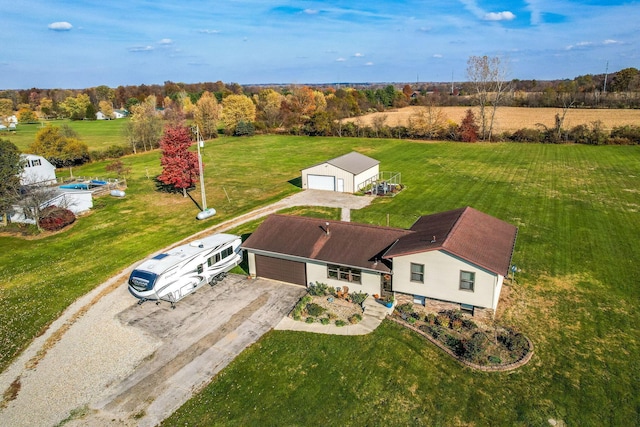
<point>172,275</point>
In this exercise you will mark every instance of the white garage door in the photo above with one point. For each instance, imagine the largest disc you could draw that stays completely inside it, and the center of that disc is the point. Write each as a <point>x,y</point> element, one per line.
<point>321,182</point>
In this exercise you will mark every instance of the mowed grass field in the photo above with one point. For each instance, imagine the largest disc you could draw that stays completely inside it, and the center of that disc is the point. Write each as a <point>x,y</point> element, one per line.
<point>509,119</point>
<point>97,134</point>
<point>576,296</point>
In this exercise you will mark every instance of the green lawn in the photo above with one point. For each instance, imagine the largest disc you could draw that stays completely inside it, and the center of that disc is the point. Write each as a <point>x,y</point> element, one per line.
<point>577,212</point>
<point>97,134</point>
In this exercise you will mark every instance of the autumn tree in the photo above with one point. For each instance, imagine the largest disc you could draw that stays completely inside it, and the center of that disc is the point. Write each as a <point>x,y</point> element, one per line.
<point>206,115</point>
<point>27,115</point>
<point>10,169</point>
<point>268,103</point>
<point>428,122</point>
<point>487,76</point>
<point>179,165</point>
<point>60,150</point>
<point>76,107</point>
<point>469,128</point>
<point>145,127</point>
<point>299,106</point>
<point>121,170</point>
<point>236,108</point>
<point>46,107</point>
<point>106,108</point>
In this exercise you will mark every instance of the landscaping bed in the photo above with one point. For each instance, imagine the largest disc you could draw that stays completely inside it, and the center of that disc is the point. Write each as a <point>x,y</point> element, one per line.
<point>329,305</point>
<point>478,345</point>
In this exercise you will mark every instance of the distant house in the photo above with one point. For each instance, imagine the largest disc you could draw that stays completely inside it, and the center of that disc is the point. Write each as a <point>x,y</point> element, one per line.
<point>120,114</point>
<point>459,257</point>
<point>101,116</point>
<point>344,174</point>
<point>37,170</point>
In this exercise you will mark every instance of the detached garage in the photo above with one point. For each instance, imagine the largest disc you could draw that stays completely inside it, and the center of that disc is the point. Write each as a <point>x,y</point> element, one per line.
<point>344,174</point>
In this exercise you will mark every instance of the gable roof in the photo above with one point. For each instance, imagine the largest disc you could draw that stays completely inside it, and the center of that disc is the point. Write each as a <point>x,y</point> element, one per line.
<point>346,243</point>
<point>466,233</point>
<point>352,162</point>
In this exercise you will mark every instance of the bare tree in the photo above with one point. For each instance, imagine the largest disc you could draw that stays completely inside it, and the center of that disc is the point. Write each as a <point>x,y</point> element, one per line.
<point>428,122</point>
<point>378,122</point>
<point>487,76</point>
<point>36,197</point>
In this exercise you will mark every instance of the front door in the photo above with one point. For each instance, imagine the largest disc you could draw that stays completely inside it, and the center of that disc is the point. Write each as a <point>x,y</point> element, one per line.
<point>386,288</point>
<point>340,185</point>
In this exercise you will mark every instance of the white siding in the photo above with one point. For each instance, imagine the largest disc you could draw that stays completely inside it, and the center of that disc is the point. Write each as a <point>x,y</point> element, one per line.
<point>328,170</point>
<point>37,170</point>
<point>363,176</point>
<point>442,279</point>
<point>317,272</point>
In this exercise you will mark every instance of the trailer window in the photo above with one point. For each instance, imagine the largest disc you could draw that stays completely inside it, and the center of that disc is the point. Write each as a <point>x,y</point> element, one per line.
<point>220,256</point>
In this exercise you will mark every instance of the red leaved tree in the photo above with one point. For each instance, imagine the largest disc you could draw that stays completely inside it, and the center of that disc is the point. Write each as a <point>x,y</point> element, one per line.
<point>179,165</point>
<point>468,128</point>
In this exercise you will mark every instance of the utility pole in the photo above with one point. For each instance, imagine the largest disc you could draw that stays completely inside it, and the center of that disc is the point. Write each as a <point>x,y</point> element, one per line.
<point>606,73</point>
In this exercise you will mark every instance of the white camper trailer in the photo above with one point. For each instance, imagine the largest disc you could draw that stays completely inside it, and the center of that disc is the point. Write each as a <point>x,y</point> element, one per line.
<point>172,275</point>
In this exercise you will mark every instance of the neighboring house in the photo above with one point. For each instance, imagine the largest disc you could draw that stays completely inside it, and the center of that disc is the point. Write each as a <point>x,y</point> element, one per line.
<point>344,174</point>
<point>37,170</point>
<point>120,114</point>
<point>77,201</point>
<point>459,256</point>
<point>101,116</point>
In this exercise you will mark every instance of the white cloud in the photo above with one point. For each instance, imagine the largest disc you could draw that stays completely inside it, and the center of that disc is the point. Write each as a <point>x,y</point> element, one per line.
<point>499,16</point>
<point>579,45</point>
<point>311,11</point>
<point>141,49</point>
<point>358,55</point>
<point>209,31</point>
<point>340,60</point>
<point>368,64</point>
<point>425,29</point>
<point>610,41</point>
<point>60,26</point>
<point>166,42</point>
<point>437,55</point>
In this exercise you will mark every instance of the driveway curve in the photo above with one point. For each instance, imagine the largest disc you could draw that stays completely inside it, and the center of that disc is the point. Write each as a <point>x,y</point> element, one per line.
<point>107,361</point>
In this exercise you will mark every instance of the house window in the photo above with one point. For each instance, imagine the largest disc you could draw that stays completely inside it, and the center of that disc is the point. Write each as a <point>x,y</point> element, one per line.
<point>467,280</point>
<point>344,274</point>
<point>35,162</point>
<point>417,273</point>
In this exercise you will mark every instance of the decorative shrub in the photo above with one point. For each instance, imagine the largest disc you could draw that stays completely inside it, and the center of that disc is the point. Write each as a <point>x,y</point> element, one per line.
<point>355,318</point>
<point>340,322</point>
<point>324,320</point>
<point>470,349</point>
<point>318,290</point>
<point>514,341</point>
<point>314,309</point>
<point>332,315</point>
<point>430,318</point>
<point>411,320</point>
<point>53,218</point>
<point>469,324</point>
<point>358,297</point>
<point>406,308</point>
<point>456,325</point>
<point>495,360</point>
<point>443,320</point>
<point>310,319</point>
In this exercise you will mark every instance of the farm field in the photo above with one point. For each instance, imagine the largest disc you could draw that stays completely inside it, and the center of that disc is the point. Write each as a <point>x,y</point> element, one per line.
<point>509,119</point>
<point>576,296</point>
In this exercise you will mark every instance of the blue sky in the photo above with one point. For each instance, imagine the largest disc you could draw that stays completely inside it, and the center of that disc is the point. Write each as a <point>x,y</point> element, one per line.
<point>82,43</point>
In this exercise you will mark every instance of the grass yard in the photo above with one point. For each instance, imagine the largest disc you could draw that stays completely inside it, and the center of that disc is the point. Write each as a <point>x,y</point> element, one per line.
<point>577,209</point>
<point>97,134</point>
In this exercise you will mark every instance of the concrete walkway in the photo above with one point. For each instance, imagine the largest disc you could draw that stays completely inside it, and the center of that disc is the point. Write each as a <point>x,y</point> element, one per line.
<point>374,313</point>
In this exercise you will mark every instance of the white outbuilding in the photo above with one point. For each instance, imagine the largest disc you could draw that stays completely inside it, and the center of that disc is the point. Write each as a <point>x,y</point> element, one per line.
<point>37,170</point>
<point>345,174</point>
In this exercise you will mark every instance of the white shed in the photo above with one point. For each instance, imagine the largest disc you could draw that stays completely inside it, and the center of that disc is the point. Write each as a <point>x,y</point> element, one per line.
<point>37,170</point>
<point>344,174</point>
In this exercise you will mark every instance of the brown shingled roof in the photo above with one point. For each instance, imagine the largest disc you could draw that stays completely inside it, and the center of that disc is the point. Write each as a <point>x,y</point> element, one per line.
<point>467,233</point>
<point>346,243</point>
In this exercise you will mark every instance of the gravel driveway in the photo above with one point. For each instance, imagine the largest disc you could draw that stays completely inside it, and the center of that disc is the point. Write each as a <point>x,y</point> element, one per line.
<point>109,362</point>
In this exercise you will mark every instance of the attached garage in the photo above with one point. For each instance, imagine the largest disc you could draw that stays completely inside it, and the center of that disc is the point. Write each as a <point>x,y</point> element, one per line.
<point>321,182</point>
<point>345,174</point>
<point>281,269</point>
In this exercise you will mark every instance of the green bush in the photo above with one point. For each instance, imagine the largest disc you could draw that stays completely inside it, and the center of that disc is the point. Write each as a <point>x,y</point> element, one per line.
<point>357,297</point>
<point>309,320</point>
<point>411,320</point>
<point>472,348</point>
<point>314,309</point>
<point>325,320</point>
<point>469,324</point>
<point>443,320</point>
<point>495,360</point>
<point>514,342</point>
<point>406,308</point>
<point>355,318</point>
<point>340,322</point>
<point>318,289</point>
<point>430,318</point>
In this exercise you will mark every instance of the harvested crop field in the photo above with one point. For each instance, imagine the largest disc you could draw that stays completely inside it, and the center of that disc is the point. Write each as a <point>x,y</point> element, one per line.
<point>514,118</point>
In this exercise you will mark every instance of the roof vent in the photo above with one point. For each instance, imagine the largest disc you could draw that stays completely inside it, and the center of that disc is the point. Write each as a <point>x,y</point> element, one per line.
<point>326,229</point>
<point>433,240</point>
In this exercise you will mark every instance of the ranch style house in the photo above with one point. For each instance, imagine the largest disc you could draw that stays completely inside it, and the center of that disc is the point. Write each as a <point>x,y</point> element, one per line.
<point>457,258</point>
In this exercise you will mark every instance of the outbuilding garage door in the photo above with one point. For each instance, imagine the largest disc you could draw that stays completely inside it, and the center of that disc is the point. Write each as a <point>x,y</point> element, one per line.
<point>281,269</point>
<point>321,182</point>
